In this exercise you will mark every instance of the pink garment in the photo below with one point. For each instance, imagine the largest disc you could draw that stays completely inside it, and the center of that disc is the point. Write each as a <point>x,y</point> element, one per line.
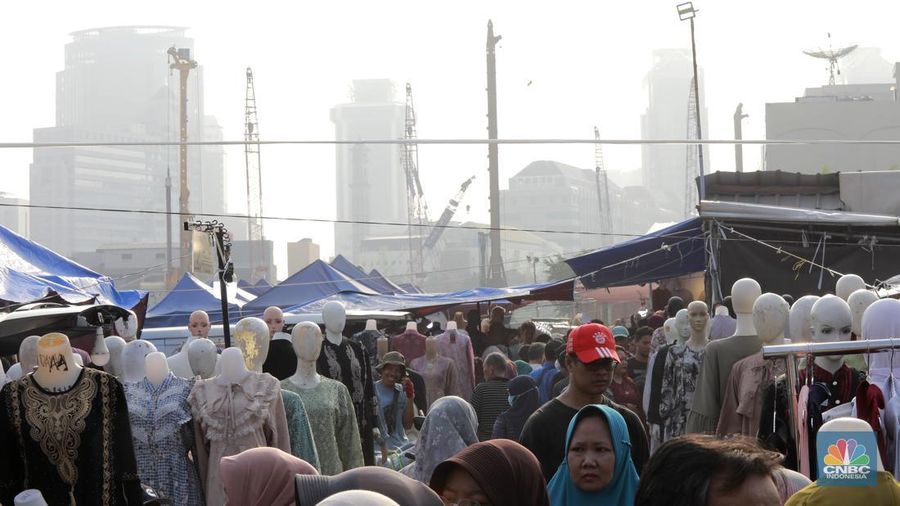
<point>803,430</point>
<point>262,477</point>
<point>410,343</point>
<point>439,376</point>
<point>459,349</point>
<point>742,405</point>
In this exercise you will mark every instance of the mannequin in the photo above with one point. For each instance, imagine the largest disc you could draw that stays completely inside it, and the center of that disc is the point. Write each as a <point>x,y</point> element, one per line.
<point>457,346</point>
<point>371,325</point>
<point>116,345</point>
<point>751,376</point>
<point>65,432</point>
<point>133,364</point>
<point>859,301</point>
<point>882,321</point>
<point>668,334</point>
<point>328,404</point>
<point>658,339</point>
<point>721,355</point>
<point>251,336</point>
<point>281,359</point>
<point>162,434</point>
<point>100,353</point>
<point>30,497</point>
<point>369,339</point>
<point>410,343</point>
<point>127,327</point>
<point>202,358</point>
<point>439,372</point>
<point>801,328</point>
<point>346,361</point>
<point>237,410</point>
<point>682,368</point>
<point>722,324</point>
<point>669,330</point>
<point>27,358</point>
<point>847,284</point>
<point>78,360</point>
<point>831,321</point>
<point>198,328</point>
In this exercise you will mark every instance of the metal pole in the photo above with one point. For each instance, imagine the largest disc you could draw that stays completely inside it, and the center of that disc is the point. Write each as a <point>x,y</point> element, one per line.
<point>697,107</point>
<point>223,289</point>
<point>496,274</point>
<point>183,193</point>
<point>170,269</point>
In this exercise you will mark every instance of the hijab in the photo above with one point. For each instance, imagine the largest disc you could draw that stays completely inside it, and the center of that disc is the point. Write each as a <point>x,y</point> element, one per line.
<point>523,367</point>
<point>524,392</point>
<point>623,486</point>
<point>261,476</point>
<point>505,471</point>
<point>450,426</point>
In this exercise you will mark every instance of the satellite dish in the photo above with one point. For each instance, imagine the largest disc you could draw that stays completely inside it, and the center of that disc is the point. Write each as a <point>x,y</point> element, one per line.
<point>832,55</point>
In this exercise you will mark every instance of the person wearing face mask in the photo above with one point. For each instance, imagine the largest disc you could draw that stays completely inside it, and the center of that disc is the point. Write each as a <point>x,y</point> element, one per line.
<point>598,467</point>
<point>523,401</point>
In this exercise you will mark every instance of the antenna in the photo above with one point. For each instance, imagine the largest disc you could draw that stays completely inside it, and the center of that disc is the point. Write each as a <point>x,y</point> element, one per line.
<point>832,55</point>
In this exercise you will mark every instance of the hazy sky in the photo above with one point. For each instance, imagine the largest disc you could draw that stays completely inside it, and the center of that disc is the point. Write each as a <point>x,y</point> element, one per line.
<point>586,61</point>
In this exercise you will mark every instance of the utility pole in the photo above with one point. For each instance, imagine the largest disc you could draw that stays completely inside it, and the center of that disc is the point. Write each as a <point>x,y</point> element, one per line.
<point>253,165</point>
<point>496,274</point>
<point>170,269</point>
<point>686,11</point>
<point>181,61</point>
<point>738,135</point>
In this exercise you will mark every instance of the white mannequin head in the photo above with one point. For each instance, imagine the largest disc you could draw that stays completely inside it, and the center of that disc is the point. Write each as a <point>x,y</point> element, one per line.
<point>156,367</point>
<point>831,321</point>
<point>127,327</point>
<point>100,353</point>
<point>850,424</point>
<point>202,357</point>
<point>274,318</point>
<point>116,345</point>
<point>198,324</point>
<point>233,369</point>
<point>451,325</point>
<point>801,328</point>
<point>743,294</point>
<point>847,284</point>
<point>770,316</point>
<point>28,354</point>
<point>335,317</point>
<point>307,339</point>
<point>698,316</point>
<point>682,325</point>
<point>721,311</point>
<point>30,497</point>
<point>133,364</point>
<point>882,321</point>
<point>371,325</point>
<point>412,327</point>
<point>859,301</point>
<point>669,330</point>
<point>56,367</point>
<point>251,335</point>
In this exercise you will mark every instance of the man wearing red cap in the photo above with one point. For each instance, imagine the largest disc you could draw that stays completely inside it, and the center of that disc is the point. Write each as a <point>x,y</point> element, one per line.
<point>590,358</point>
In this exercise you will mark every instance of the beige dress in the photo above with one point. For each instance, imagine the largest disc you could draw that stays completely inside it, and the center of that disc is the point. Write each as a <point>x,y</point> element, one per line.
<point>229,419</point>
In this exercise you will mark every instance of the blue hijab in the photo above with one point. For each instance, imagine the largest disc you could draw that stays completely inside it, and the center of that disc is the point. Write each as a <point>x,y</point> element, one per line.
<point>624,484</point>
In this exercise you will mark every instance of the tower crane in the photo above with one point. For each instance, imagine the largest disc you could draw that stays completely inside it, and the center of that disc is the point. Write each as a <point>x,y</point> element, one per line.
<point>180,60</point>
<point>252,160</point>
<point>602,191</point>
<point>692,161</point>
<point>438,229</point>
<point>416,207</point>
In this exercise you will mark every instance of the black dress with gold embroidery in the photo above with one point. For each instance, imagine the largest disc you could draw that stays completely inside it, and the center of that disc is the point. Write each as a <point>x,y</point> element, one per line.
<point>73,446</point>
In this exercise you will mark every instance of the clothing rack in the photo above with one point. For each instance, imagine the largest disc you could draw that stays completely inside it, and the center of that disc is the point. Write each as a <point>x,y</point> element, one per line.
<point>791,352</point>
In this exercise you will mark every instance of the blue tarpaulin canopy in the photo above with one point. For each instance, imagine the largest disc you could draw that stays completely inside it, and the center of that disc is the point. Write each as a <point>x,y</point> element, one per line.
<point>346,266</point>
<point>256,290</point>
<point>387,285</point>
<point>189,295</point>
<point>674,251</point>
<point>30,272</point>
<point>314,282</point>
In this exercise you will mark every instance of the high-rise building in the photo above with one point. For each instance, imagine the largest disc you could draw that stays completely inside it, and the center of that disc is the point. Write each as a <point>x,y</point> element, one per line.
<point>116,86</point>
<point>668,86</point>
<point>13,214</point>
<point>301,253</point>
<point>370,181</point>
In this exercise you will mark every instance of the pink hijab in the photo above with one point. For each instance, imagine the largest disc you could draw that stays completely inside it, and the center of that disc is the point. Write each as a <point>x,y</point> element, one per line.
<point>261,476</point>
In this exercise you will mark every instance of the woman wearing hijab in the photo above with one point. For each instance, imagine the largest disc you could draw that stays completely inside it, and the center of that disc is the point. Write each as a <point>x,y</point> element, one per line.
<point>495,472</point>
<point>261,476</point>
<point>598,467</point>
<point>523,401</point>
<point>450,426</point>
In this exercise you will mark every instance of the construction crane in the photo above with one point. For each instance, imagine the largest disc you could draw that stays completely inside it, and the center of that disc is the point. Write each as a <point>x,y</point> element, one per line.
<point>254,183</point>
<point>603,198</point>
<point>416,207</point>
<point>438,229</point>
<point>691,163</point>
<point>180,60</point>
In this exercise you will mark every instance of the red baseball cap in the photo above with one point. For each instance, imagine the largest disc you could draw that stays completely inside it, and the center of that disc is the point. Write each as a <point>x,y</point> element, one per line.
<point>592,341</point>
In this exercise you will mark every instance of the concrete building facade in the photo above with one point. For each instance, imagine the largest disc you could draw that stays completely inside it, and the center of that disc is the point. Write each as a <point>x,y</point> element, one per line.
<point>301,253</point>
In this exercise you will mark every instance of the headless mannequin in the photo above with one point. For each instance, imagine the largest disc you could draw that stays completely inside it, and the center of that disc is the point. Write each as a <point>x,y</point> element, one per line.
<point>157,368</point>
<point>801,328</point>
<point>56,368</point>
<point>431,352</point>
<point>371,325</point>
<point>411,326</point>
<point>335,317</point>
<point>100,353</point>
<point>198,328</point>
<point>251,335</point>
<point>133,364</point>
<point>307,345</point>
<point>27,356</point>
<point>831,321</point>
<point>847,284</point>
<point>203,358</point>
<point>233,368</point>
<point>698,319</point>
<point>116,345</point>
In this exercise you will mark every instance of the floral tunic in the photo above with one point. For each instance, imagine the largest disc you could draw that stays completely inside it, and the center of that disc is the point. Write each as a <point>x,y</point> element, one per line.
<point>459,349</point>
<point>303,444</point>
<point>163,436</point>
<point>679,382</point>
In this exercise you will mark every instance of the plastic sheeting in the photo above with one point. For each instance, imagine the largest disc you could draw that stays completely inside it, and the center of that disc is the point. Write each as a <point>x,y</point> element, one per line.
<point>739,211</point>
<point>189,295</point>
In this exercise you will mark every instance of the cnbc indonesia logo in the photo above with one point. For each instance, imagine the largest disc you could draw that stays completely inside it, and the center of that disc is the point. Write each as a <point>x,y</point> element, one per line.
<point>847,460</point>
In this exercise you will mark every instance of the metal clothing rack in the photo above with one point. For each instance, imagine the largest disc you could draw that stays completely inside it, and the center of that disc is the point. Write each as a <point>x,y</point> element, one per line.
<point>791,352</point>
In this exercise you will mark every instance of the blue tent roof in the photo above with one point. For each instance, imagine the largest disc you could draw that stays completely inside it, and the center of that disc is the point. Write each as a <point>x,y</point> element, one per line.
<point>315,281</point>
<point>410,288</point>
<point>388,285</point>
<point>189,295</point>
<point>30,272</point>
<point>346,266</point>
<point>674,251</point>
<point>256,290</point>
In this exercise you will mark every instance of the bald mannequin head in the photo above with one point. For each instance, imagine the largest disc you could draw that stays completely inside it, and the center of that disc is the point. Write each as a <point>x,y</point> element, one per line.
<point>198,324</point>
<point>274,319</point>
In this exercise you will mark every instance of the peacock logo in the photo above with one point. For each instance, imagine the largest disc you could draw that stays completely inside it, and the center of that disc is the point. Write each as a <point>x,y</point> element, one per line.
<point>846,452</point>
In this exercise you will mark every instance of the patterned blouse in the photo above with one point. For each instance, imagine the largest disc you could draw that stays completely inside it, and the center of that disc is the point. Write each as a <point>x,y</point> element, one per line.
<point>679,382</point>
<point>303,444</point>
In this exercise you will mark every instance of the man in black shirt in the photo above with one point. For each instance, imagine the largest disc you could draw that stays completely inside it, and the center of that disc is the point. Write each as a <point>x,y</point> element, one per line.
<point>637,365</point>
<point>590,358</point>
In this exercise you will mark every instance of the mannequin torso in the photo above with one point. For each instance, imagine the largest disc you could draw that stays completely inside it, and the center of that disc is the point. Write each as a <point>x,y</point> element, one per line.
<point>116,345</point>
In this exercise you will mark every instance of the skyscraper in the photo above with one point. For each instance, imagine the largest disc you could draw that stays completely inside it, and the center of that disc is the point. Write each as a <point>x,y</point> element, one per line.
<point>116,87</point>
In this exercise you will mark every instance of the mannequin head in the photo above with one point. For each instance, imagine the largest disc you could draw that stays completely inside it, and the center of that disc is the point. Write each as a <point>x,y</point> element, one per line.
<point>56,367</point>
<point>251,335</point>
<point>28,354</point>
<point>233,368</point>
<point>133,365</point>
<point>682,325</point>
<point>127,327</point>
<point>669,330</point>
<point>100,353</point>
<point>722,311</point>
<point>371,325</point>
<point>156,367</point>
<point>743,294</point>
<point>412,327</point>
<point>859,301</point>
<point>274,318</point>
<point>882,321</point>
<point>698,316</point>
<point>451,326</point>
<point>801,328</point>
<point>198,324</point>
<point>335,317</point>
<point>116,345</point>
<point>831,321</point>
<point>202,357</point>
<point>847,284</point>
<point>770,315</point>
<point>307,339</point>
